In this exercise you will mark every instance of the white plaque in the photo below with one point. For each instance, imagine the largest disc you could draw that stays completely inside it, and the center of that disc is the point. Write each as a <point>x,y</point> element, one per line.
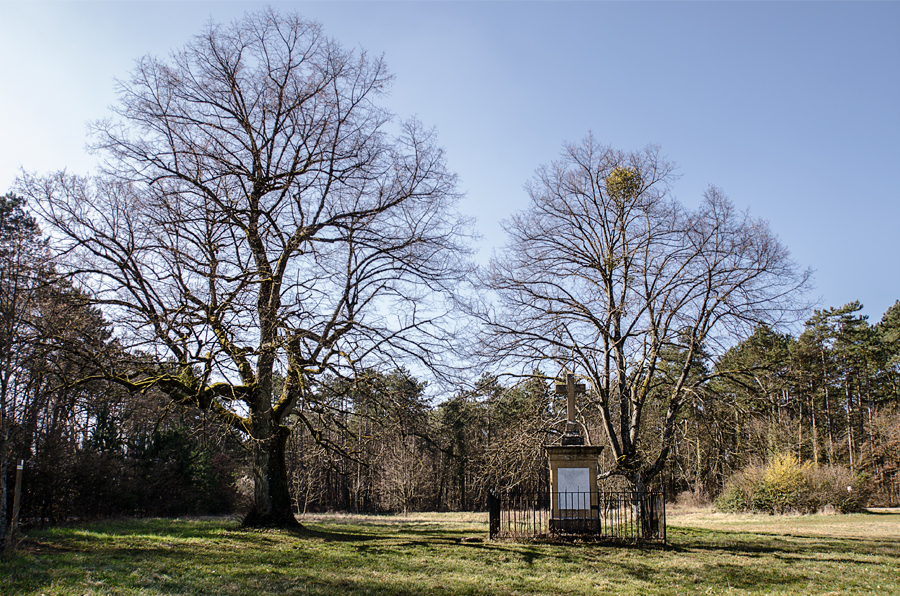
<point>574,488</point>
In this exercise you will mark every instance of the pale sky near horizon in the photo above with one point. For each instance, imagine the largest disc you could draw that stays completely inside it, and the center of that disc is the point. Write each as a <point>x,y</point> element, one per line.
<point>793,109</point>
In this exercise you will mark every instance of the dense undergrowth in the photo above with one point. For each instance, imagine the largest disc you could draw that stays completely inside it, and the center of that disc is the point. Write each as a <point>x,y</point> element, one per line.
<point>786,486</point>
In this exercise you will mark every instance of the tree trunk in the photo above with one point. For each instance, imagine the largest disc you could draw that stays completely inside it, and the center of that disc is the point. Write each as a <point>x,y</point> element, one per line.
<point>647,515</point>
<point>829,422</point>
<point>4,436</point>
<point>462,490</point>
<point>815,430</point>
<point>850,438</point>
<point>698,477</point>
<point>799,428</point>
<point>271,496</point>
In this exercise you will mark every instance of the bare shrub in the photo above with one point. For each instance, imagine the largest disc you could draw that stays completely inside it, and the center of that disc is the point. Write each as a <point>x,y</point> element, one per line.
<point>740,490</point>
<point>837,487</point>
<point>692,500</point>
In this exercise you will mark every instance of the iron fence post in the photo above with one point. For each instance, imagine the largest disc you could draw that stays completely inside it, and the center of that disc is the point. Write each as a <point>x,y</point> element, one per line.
<point>493,506</point>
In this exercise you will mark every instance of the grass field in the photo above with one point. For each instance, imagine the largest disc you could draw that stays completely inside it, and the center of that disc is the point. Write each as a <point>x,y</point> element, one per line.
<point>449,554</point>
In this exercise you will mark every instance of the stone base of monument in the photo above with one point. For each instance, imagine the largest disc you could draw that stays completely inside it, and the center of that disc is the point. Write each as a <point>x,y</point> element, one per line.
<point>575,525</point>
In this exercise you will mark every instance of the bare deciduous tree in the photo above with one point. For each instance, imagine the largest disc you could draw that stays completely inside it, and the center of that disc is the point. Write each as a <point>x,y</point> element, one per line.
<point>255,216</point>
<point>607,274</point>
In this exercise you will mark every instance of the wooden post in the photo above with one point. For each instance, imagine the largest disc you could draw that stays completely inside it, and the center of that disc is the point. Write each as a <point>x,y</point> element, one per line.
<point>9,539</point>
<point>14,523</point>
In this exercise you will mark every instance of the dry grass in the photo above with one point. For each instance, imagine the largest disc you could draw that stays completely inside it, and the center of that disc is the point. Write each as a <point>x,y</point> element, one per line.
<point>444,518</point>
<point>450,555</point>
<point>878,524</point>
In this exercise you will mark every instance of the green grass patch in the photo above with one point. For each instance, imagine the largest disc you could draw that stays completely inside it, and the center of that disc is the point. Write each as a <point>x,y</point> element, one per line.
<point>436,554</point>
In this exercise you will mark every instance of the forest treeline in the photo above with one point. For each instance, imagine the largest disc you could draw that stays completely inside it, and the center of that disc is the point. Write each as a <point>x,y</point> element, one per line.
<point>829,397</point>
<point>382,442</point>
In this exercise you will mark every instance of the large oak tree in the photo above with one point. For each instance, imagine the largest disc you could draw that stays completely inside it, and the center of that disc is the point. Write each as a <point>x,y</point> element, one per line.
<point>259,217</point>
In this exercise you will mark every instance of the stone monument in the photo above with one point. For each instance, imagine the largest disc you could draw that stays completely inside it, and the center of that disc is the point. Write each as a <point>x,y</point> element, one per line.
<point>573,474</point>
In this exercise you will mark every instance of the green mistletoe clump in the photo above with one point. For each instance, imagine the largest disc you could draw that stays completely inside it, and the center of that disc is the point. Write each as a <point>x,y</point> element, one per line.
<point>623,182</point>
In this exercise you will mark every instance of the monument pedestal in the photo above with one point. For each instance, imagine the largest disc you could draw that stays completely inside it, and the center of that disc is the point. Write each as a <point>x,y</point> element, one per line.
<point>573,489</point>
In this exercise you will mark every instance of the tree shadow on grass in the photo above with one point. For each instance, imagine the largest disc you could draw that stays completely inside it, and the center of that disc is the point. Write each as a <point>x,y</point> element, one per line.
<point>767,543</point>
<point>343,535</point>
<point>742,577</point>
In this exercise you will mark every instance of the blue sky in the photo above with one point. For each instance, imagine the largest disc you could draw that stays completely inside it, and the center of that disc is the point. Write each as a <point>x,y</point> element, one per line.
<point>793,109</point>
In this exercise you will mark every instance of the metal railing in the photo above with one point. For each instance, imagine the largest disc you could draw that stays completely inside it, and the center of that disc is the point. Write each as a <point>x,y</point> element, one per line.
<point>614,515</point>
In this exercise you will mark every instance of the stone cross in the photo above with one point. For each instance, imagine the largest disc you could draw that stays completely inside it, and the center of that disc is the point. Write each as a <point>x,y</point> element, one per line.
<point>569,390</point>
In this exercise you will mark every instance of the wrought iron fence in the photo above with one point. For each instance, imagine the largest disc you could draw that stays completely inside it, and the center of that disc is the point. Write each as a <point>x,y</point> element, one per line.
<point>614,515</point>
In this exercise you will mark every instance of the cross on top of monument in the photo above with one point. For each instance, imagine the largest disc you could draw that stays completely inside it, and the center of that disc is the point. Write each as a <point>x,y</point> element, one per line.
<point>573,435</point>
